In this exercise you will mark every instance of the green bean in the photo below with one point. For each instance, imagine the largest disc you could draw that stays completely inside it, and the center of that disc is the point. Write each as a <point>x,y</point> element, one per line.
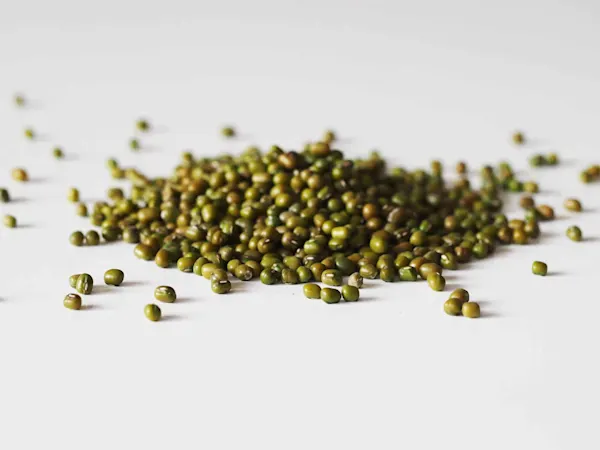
<point>407,274</point>
<point>355,280</point>
<point>574,233</point>
<point>77,238</point>
<point>461,294</point>
<point>152,312</point>
<point>332,277</point>
<point>92,238</point>
<point>19,174</point>
<point>436,281</point>
<point>72,301</point>
<point>165,294</point>
<point>4,196</point>
<point>221,286</point>
<point>350,293</point>
<point>453,306</point>
<point>539,268</point>
<point>85,284</point>
<point>10,221</point>
<point>114,277</point>
<point>518,138</point>
<point>312,291</point>
<point>73,280</point>
<point>471,310</point>
<point>228,132</point>
<point>329,295</point>
<point>267,276</point>
<point>142,125</point>
<point>572,204</point>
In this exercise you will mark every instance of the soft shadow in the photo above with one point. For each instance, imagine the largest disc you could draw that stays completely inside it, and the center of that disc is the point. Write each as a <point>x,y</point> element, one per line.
<point>149,148</point>
<point>183,300</point>
<point>239,286</point>
<point>378,284</point>
<point>104,289</point>
<point>451,287</point>
<point>240,137</point>
<point>363,298</point>
<point>134,283</point>
<point>519,174</point>
<point>591,239</point>
<point>566,162</point>
<point>549,234</point>
<point>24,226</point>
<point>366,299</point>
<point>41,137</point>
<point>556,274</point>
<point>171,318</point>
<point>36,180</point>
<point>103,243</point>
<point>70,157</point>
<point>589,210</point>
<point>32,105</point>
<point>91,307</point>
<point>489,315</point>
<point>500,250</point>
<point>20,200</point>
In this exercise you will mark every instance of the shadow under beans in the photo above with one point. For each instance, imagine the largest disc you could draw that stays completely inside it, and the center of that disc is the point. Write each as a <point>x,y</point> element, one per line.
<point>149,148</point>
<point>183,300</point>
<point>171,318</point>
<point>588,210</point>
<point>32,105</point>
<point>239,137</point>
<point>590,239</point>
<point>91,307</point>
<point>545,236</point>
<point>104,289</point>
<point>41,137</point>
<point>134,283</point>
<point>537,144</point>
<point>241,286</point>
<point>499,250</point>
<point>549,192</point>
<point>489,315</point>
<point>366,298</point>
<point>19,200</point>
<point>566,162</point>
<point>556,274</point>
<point>451,287</point>
<point>38,180</point>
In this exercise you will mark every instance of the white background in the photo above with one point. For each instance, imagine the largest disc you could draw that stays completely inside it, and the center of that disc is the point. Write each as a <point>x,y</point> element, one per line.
<point>263,367</point>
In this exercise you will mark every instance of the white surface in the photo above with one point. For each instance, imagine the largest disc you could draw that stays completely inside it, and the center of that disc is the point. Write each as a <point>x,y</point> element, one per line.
<point>264,367</point>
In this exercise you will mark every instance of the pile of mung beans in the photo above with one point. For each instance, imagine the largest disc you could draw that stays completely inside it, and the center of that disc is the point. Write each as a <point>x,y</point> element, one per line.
<point>312,216</point>
<point>309,216</point>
